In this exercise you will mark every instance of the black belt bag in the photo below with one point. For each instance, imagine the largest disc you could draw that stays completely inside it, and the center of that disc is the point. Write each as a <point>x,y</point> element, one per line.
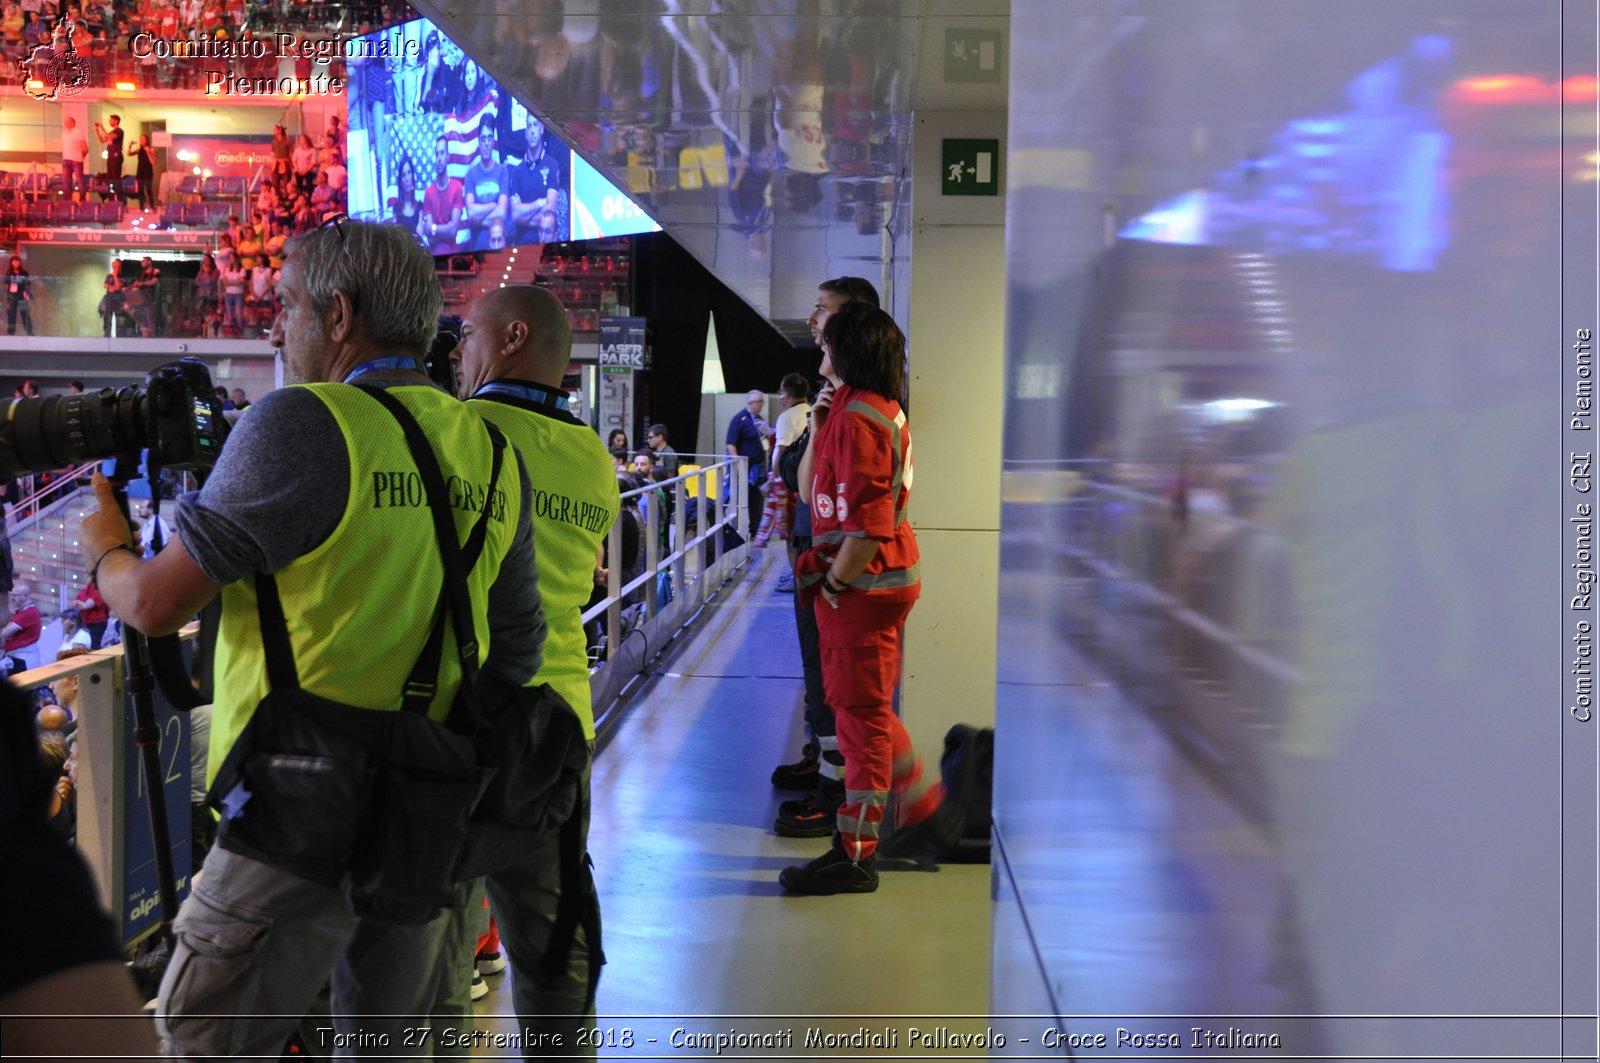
<point>369,801</point>
<point>538,757</point>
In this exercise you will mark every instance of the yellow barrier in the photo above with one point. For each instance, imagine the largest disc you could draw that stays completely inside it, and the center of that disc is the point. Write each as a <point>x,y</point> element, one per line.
<point>692,487</point>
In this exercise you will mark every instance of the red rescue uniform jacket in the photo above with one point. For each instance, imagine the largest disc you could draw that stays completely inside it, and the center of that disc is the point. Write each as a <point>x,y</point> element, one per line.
<point>860,487</point>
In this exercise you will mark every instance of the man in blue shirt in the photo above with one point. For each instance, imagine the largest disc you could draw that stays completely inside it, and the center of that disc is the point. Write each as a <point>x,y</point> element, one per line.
<point>746,435</point>
<point>537,206</point>
<point>488,188</point>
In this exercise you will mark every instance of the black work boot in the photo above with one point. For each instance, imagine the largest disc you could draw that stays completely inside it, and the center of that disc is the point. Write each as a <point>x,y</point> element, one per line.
<point>832,872</point>
<point>801,775</point>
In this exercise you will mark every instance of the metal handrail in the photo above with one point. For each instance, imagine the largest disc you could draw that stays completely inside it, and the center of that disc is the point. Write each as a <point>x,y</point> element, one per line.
<point>682,550</point>
<point>1112,568</point>
<point>20,509</point>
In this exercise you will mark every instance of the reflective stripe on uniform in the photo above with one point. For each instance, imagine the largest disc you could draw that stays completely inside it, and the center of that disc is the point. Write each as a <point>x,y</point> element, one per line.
<point>890,580</point>
<point>897,438</point>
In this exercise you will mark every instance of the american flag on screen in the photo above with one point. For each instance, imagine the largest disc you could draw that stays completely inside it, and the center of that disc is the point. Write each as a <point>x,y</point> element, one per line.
<point>461,134</point>
<point>416,133</point>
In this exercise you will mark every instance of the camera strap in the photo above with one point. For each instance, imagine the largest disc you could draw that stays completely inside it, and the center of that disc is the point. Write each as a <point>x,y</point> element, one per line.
<point>457,560</point>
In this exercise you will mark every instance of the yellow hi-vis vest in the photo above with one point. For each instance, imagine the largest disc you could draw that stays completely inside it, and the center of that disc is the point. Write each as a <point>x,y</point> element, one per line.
<point>575,501</point>
<point>359,606</point>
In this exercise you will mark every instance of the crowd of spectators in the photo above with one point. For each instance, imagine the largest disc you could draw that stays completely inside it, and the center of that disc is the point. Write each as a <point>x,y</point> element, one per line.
<point>235,291</point>
<point>305,184</point>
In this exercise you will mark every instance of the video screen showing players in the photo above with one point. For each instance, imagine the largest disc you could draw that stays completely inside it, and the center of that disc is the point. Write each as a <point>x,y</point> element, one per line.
<point>438,146</point>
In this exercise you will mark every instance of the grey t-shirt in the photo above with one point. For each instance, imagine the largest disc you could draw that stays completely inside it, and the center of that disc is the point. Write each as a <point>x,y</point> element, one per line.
<point>279,490</point>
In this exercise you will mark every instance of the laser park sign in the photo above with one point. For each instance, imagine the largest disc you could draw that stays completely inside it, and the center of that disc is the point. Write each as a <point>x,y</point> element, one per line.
<point>622,345</point>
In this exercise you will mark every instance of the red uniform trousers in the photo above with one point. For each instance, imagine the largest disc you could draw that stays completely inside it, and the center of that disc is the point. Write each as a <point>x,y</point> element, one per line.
<point>860,645</point>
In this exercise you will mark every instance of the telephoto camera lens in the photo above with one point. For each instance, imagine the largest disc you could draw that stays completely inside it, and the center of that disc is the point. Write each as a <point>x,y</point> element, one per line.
<point>60,431</point>
<point>175,415</point>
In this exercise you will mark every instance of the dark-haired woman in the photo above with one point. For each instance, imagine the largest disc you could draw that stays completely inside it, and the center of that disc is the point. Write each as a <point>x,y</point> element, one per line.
<point>862,577</point>
<point>404,209</point>
<point>282,150</point>
<point>111,307</point>
<point>144,174</point>
<point>206,287</point>
<point>18,295</point>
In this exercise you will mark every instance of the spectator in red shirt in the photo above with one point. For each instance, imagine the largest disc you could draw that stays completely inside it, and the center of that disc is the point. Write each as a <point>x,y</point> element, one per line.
<point>167,20</point>
<point>95,613</point>
<point>442,205</point>
<point>21,635</point>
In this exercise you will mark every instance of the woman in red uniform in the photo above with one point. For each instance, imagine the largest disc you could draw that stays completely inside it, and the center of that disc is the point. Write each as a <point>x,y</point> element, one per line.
<point>863,575</point>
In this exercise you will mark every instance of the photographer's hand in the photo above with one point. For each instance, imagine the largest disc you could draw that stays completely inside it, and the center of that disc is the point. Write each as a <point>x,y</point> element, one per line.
<point>106,528</point>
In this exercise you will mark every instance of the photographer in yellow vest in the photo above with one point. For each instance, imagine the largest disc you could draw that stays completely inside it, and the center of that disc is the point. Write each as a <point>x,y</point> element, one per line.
<point>514,348</point>
<point>315,488</point>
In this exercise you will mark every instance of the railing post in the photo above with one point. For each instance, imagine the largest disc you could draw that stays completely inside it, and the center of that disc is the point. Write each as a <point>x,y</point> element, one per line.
<point>614,588</point>
<point>716,518</point>
<point>708,516</point>
<point>679,566</point>
<point>741,520</point>
<point>63,597</point>
<point>652,548</point>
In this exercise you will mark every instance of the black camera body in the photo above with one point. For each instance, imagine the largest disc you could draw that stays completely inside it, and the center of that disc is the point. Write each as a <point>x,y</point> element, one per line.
<point>176,415</point>
<point>437,364</point>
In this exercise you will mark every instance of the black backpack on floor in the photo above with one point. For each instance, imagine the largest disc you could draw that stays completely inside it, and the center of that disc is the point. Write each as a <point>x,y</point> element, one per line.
<point>967,768</point>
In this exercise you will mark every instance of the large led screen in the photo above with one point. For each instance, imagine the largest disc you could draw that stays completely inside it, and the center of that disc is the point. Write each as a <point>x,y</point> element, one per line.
<point>438,146</point>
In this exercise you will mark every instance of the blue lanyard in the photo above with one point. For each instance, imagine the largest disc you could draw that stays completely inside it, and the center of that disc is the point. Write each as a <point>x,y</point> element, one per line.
<point>377,365</point>
<point>532,392</point>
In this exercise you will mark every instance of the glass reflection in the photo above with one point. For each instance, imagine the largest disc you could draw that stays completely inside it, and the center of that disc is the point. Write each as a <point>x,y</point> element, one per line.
<point>785,116</point>
<point>1368,181</point>
<point>1283,359</point>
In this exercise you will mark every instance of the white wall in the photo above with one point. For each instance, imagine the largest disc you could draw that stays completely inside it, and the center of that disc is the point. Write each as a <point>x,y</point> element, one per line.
<point>956,330</point>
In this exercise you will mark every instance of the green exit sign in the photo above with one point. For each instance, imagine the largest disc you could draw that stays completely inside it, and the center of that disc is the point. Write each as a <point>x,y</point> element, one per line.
<point>971,55</point>
<point>971,168</point>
